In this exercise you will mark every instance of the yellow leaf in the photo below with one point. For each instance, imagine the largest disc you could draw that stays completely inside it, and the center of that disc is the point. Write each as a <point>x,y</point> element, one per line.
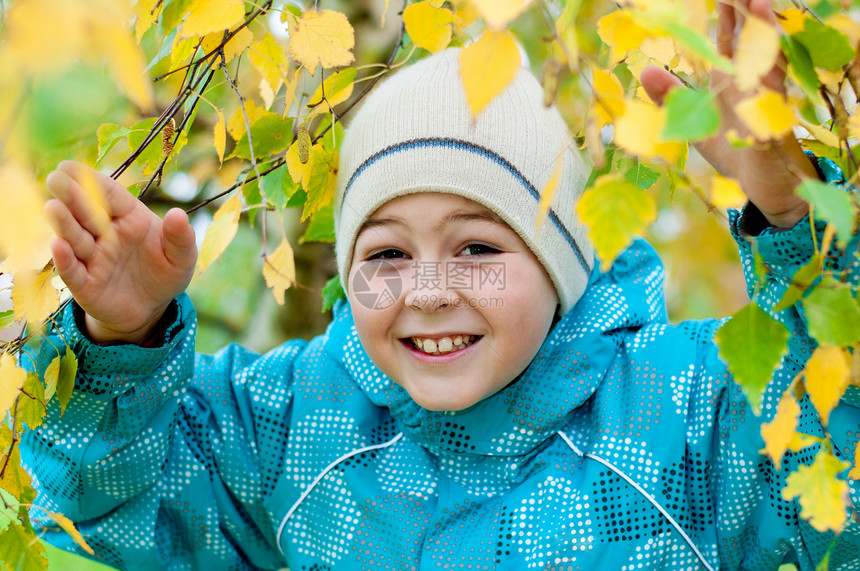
<point>206,16</point>
<point>636,130</point>
<point>96,200</point>
<point>182,50</point>
<point>125,59</point>
<point>279,270</point>
<point>236,123</point>
<point>826,376</point>
<point>726,192</point>
<point>146,13</point>
<point>220,136</point>
<point>220,233</point>
<point>40,44</point>
<point>614,210</point>
<point>608,96</point>
<point>487,67</point>
<point>237,44</point>
<point>268,57</point>
<point>428,26</point>
<point>663,51</point>
<point>15,479</point>
<point>25,236</point>
<point>498,13</point>
<point>337,87</point>
<point>778,433</point>
<point>792,20</point>
<point>321,180</point>
<point>34,297</point>
<point>69,528</point>
<point>756,52</point>
<point>465,14</point>
<point>290,93</point>
<point>548,191</point>
<point>821,494</point>
<point>324,38</point>
<point>300,171</point>
<point>619,31</point>
<point>767,115</point>
<point>12,379</point>
<point>827,136</point>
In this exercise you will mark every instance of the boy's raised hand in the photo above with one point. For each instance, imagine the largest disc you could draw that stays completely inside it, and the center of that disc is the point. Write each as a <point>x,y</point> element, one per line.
<point>767,171</point>
<point>123,271</point>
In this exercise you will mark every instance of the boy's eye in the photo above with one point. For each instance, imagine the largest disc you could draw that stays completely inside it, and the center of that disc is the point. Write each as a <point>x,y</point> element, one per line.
<point>479,250</point>
<point>387,254</point>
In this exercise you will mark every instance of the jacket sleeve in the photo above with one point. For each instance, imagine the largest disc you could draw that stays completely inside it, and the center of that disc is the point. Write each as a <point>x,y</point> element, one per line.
<point>748,478</point>
<point>164,458</point>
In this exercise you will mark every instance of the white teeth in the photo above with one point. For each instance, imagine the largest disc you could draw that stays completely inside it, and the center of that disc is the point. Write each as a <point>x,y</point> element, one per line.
<point>445,344</point>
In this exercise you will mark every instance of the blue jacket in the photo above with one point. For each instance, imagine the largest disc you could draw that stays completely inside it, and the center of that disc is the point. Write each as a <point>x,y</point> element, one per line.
<point>624,445</point>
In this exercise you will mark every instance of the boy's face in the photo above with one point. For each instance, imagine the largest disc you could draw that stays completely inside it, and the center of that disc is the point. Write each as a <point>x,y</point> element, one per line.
<point>448,300</point>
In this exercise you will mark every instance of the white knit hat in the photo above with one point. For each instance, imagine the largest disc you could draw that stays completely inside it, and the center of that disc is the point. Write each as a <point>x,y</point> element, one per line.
<point>415,133</point>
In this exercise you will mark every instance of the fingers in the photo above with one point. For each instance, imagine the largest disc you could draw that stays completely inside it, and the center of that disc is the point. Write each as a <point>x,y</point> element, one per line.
<point>74,184</point>
<point>180,248</point>
<point>81,242</point>
<point>72,271</point>
<point>658,82</point>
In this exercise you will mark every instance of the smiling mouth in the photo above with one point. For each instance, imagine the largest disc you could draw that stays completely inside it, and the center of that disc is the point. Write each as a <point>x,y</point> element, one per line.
<point>443,345</point>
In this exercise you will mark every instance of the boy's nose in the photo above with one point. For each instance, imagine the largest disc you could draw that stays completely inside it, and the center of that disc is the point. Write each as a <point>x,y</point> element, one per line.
<point>430,300</point>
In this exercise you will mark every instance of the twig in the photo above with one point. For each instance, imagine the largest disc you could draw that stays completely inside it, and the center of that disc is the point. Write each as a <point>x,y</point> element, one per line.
<point>160,170</point>
<point>250,146</point>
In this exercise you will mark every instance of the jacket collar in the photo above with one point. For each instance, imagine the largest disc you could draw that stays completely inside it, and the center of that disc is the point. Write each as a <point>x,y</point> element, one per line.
<point>566,371</point>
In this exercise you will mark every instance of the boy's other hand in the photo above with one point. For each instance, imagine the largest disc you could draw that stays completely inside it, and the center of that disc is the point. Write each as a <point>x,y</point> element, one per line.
<point>125,270</point>
<point>768,171</point>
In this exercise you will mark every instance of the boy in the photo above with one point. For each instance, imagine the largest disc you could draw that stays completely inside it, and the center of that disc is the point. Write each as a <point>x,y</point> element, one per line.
<point>540,417</point>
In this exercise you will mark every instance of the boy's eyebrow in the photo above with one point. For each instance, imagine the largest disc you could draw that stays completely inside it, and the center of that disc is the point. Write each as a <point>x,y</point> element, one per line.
<point>481,216</point>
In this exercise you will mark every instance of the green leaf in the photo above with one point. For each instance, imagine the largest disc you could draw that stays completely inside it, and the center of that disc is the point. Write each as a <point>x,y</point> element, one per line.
<point>149,159</point>
<point>271,134</point>
<point>828,47</point>
<point>278,186</point>
<point>298,198</point>
<point>638,173</point>
<point>752,343</point>
<point>614,210</point>
<point>109,135</point>
<point>332,291</point>
<point>800,282</point>
<point>21,550</point>
<point>7,318</point>
<point>321,226</point>
<point>801,64</point>
<point>66,378</point>
<point>833,204</point>
<point>832,314</point>
<point>690,115</point>
<point>31,404</point>
<point>174,13</point>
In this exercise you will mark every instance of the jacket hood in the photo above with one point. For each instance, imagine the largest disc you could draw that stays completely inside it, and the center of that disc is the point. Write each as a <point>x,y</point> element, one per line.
<point>566,371</point>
